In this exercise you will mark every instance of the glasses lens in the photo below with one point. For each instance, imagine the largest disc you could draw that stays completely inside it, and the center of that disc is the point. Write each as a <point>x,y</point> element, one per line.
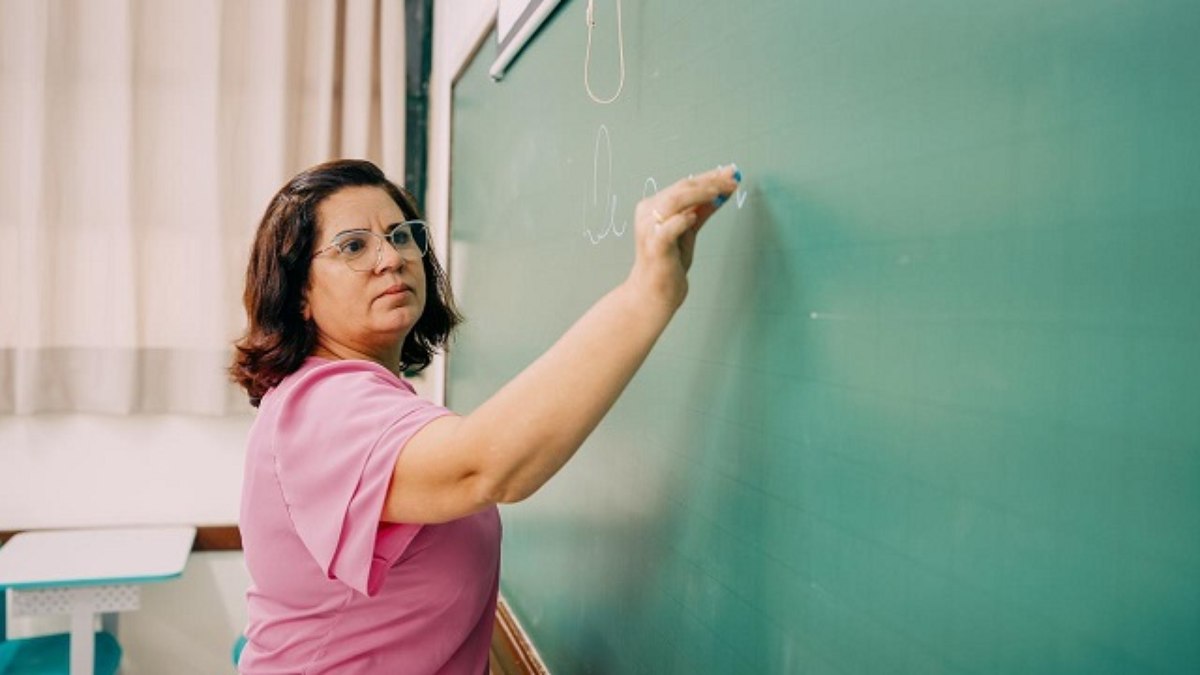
<point>410,239</point>
<point>357,250</point>
<point>360,250</point>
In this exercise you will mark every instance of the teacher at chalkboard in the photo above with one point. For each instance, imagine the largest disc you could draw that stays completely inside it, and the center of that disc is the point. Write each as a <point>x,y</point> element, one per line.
<point>368,514</point>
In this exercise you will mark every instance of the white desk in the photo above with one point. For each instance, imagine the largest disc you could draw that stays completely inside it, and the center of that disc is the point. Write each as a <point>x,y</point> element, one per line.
<point>85,572</point>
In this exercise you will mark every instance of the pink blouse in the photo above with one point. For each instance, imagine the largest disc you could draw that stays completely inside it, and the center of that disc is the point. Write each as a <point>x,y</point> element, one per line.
<point>333,590</point>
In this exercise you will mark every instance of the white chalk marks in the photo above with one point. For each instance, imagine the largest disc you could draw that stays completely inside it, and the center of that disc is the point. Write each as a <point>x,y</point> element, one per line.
<point>610,199</point>
<point>605,202</point>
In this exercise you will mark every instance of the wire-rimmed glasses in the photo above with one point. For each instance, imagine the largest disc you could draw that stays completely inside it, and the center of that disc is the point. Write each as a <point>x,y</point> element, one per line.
<point>410,239</point>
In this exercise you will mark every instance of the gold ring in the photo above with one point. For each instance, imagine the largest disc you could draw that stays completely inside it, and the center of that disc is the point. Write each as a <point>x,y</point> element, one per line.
<point>657,216</point>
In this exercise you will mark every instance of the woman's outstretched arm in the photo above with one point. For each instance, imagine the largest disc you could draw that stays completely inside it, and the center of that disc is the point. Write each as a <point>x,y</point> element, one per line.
<point>516,440</point>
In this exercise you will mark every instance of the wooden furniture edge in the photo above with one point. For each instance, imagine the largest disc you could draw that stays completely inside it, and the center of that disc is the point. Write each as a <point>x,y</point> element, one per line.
<point>512,652</point>
<point>208,538</point>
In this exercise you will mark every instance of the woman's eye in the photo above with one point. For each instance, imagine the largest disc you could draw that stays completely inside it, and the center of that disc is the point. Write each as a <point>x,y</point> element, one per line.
<point>400,237</point>
<point>352,246</point>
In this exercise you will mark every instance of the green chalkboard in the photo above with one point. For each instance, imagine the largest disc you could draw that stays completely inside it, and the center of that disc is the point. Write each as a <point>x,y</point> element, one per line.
<point>933,404</point>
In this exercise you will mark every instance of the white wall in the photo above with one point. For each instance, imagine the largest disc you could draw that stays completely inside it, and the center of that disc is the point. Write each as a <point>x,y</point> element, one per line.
<point>82,470</point>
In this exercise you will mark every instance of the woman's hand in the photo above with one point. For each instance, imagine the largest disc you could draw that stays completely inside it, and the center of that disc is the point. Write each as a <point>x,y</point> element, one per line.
<point>666,225</point>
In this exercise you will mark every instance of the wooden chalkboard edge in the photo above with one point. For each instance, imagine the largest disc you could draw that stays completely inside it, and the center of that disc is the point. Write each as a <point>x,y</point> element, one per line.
<point>208,538</point>
<point>512,652</point>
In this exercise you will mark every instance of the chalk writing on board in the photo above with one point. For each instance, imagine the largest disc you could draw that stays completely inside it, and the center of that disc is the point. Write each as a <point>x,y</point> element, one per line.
<point>649,187</point>
<point>610,199</point>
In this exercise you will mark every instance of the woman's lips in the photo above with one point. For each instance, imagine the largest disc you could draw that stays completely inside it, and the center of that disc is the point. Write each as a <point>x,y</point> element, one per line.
<point>394,289</point>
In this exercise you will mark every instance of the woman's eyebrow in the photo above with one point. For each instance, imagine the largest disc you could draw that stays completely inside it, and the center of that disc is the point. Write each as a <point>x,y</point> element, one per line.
<point>353,229</point>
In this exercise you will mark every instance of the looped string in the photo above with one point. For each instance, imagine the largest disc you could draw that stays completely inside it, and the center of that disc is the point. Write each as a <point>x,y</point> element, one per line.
<point>587,59</point>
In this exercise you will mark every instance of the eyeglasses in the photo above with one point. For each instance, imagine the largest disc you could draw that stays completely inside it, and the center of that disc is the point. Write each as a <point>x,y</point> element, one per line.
<point>410,239</point>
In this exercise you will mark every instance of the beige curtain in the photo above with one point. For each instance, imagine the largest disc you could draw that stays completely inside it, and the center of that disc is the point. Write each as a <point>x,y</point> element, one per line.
<point>139,144</point>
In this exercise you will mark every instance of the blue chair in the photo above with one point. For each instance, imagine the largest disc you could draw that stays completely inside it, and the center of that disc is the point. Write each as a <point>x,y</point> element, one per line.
<point>238,645</point>
<point>50,654</point>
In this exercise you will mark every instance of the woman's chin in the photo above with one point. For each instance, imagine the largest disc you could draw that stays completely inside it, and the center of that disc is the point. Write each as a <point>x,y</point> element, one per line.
<point>398,324</point>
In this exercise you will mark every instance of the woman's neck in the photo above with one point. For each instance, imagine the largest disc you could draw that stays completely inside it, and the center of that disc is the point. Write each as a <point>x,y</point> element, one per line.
<point>338,352</point>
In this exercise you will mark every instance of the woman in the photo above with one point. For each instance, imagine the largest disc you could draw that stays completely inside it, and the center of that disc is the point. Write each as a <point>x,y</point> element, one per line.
<point>369,515</point>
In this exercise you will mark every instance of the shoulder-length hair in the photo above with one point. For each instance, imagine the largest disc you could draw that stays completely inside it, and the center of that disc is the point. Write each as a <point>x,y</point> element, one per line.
<point>278,337</point>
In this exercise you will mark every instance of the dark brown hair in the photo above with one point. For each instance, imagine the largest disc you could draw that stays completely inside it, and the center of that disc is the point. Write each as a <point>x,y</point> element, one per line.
<point>278,337</point>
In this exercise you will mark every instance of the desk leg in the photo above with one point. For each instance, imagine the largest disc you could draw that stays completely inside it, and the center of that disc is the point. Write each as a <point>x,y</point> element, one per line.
<point>110,622</point>
<point>81,603</point>
<point>83,641</point>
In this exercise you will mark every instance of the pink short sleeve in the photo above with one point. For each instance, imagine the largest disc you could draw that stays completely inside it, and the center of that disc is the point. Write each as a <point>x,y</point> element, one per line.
<point>341,426</point>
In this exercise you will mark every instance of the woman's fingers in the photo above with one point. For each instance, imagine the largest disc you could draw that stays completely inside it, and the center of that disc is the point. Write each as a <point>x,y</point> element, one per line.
<point>667,225</point>
<point>674,227</point>
<point>703,193</point>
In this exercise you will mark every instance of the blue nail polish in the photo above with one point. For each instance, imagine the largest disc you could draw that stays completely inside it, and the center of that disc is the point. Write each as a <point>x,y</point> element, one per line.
<point>721,199</point>
<point>737,173</point>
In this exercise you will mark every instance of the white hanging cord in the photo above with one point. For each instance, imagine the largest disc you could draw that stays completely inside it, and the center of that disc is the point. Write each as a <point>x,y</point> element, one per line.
<point>587,59</point>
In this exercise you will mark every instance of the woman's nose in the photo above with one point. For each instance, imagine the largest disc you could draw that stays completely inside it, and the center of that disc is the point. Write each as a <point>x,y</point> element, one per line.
<point>389,258</point>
